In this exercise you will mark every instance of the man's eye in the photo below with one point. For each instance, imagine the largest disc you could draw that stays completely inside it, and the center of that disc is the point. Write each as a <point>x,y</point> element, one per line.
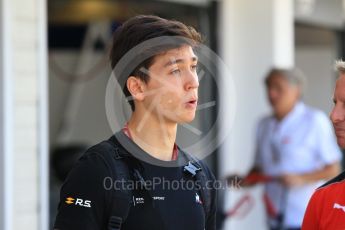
<point>176,72</point>
<point>194,67</point>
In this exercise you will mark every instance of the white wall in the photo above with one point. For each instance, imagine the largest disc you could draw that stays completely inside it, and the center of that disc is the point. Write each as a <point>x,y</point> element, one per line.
<point>326,13</point>
<point>2,171</point>
<point>317,63</point>
<point>316,50</point>
<point>25,169</point>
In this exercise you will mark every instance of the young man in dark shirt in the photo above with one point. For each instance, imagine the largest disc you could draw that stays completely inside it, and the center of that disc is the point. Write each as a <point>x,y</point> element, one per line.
<point>163,92</point>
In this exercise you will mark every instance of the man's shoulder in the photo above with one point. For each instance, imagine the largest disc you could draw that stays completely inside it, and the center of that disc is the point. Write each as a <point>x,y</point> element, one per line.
<point>333,185</point>
<point>105,149</point>
<point>324,199</point>
<point>100,147</point>
<point>264,124</point>
<point>204,166</point>
<point>265,120</point>
<point>97,156</point>
<point>316,115</point>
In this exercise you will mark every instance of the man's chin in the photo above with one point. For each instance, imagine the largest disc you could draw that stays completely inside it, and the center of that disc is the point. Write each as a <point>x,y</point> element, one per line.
<point>341,142</point>
<point>186,119</point>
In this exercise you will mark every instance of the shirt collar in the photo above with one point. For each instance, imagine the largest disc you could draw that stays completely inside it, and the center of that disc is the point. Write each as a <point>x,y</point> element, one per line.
<point>126,131</point>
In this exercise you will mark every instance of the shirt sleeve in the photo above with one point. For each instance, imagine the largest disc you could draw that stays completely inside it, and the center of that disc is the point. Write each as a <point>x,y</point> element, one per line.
<point>311,220</point>
<point>83,196</point>
<point>328,150</point>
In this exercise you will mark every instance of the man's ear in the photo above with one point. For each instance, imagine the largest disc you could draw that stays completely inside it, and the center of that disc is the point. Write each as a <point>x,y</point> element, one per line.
<point>299,91</point>
<point>136,87</point>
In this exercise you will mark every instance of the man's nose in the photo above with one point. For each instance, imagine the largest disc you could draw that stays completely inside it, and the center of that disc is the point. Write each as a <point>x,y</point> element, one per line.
<point>193,81</point>
<point>337,114</point>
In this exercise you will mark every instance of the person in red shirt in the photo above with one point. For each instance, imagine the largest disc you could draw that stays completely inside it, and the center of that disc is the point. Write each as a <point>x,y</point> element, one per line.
<point>326,208</point>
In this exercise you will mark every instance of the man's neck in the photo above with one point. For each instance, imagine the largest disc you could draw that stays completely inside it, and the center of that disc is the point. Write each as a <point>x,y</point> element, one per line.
<point>154,137</point>
<point>280,116</point>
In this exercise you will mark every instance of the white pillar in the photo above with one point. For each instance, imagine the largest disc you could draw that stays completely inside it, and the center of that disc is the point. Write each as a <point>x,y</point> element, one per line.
<point>254,36</point>
<point>24,146</point>
<point>2,129</point>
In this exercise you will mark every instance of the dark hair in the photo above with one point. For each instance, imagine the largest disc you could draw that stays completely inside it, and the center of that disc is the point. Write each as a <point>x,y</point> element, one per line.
<point>141,28</point>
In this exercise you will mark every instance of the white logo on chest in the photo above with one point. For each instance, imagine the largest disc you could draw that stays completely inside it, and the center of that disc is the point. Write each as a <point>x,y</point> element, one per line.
<point>338,206</point>
<point>141,200</point>
<point>138,200</point>
<point>197,198</point>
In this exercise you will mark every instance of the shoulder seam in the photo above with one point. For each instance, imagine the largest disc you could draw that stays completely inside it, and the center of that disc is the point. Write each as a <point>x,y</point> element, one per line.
<point>338,179</point>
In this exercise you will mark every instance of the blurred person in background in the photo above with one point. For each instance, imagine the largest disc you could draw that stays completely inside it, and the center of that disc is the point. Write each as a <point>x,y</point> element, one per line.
<point>326,208</point>
<point>295,150</point>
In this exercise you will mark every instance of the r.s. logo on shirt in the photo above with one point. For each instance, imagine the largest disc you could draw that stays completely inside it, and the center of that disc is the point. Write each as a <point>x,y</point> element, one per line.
<point>78,201</point>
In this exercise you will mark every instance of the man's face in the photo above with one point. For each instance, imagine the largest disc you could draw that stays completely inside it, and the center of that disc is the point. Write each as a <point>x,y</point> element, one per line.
<point>281,94</point>
<point>338,112</point>
<point>172,90</point>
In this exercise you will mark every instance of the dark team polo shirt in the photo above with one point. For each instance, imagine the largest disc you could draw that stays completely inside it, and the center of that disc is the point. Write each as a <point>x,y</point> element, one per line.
<point>171,202</point>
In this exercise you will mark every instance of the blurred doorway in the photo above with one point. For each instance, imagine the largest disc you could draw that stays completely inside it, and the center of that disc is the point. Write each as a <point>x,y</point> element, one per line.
<point>316,50</point>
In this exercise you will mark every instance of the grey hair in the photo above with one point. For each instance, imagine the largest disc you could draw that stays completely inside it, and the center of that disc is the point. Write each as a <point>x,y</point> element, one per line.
<point>293,75</point>
<point>340,66</point>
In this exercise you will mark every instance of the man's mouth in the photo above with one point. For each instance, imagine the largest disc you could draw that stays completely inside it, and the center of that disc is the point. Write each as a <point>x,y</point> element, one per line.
<point>339,131</point>
<point>192,103</point>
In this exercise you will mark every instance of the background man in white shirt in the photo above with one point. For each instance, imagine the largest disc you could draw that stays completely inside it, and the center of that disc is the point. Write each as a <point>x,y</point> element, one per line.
<point>296,149</point>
